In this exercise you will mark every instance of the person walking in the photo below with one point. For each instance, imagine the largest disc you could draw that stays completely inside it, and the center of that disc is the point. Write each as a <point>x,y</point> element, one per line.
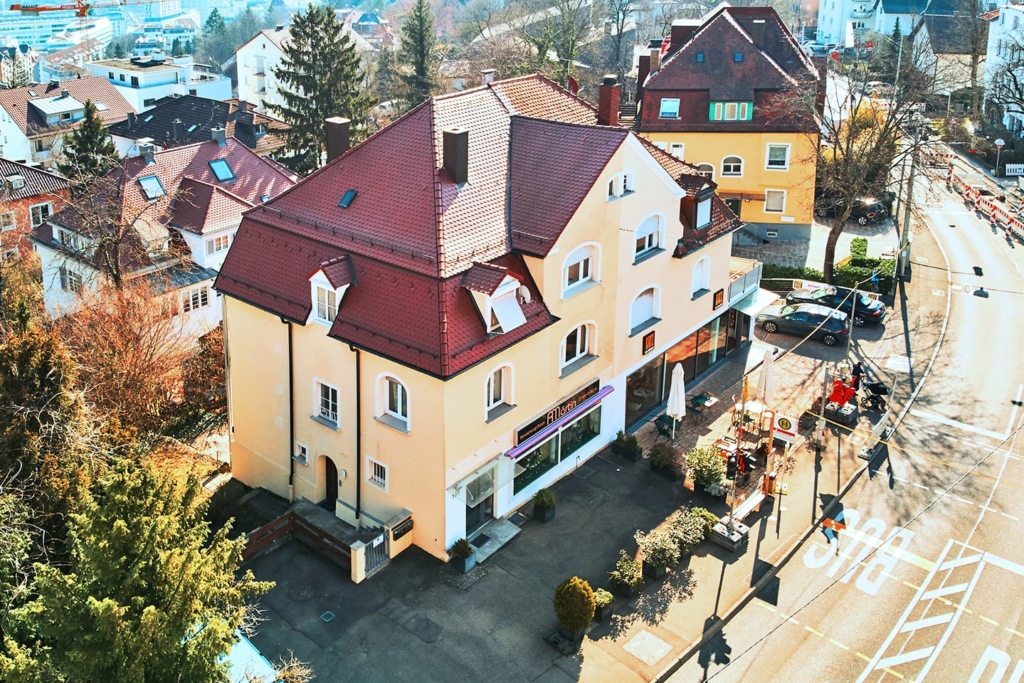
<point>857,374</point>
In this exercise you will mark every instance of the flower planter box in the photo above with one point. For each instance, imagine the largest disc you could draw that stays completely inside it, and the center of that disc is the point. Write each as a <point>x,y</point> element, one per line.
<point>604,613</point>
<point>625,591</point>
<point>670,473</point>
<point>654,573</point>
<point>463,565</point>
<point>544,514</point>
<point>631,455</point>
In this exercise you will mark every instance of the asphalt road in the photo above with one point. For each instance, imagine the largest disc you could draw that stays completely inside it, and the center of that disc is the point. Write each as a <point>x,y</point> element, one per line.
<point>924,581</point>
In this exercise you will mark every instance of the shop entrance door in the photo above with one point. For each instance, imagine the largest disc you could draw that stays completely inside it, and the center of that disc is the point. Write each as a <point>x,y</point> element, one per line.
<point>480,514</point>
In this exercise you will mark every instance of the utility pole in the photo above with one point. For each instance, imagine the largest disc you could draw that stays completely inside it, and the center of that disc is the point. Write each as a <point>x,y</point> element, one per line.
<point>905,231</point>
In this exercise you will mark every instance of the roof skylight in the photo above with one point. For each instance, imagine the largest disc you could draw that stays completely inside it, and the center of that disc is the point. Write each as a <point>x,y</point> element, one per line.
<point>100,106</point>
<point>148,119</point>
<point>193,127</point>
<point>222,170</point>
<point>346,199</point>
<point>152,187</point>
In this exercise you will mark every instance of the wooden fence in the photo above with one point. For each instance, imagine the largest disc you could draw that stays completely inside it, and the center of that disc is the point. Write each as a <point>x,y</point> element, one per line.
<point>291,525</point>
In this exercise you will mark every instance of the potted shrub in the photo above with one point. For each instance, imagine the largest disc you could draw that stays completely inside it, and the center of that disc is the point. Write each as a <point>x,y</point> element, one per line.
<point>660,552</point>
<point>706,467</point>
<point>462,557</point>
<point>627,576</point>
<point>627,446</point>
<point>809,417</point>
<point>603,608</point>
<point>574,607</point>
<point>544,505</point>
<point>706,518</point>
<point>686,529</point>
<point>666,460</point>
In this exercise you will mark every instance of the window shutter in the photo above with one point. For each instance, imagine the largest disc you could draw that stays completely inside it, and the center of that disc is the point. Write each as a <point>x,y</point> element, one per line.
<point>711,111</point>
<point>750,111</point>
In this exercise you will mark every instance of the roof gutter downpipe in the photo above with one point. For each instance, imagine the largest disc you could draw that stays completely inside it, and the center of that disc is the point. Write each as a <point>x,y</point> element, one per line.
<point>291,417</point>
<point>359,437</point>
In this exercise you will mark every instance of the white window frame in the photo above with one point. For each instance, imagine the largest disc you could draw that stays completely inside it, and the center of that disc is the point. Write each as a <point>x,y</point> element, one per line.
<point>703,207</point>
<point>318,407</point>
<point>371,473</point>
<point>507,397</point>
<point>70,281</point>
<point>637,325</point>
<point>768,156</point>
<point>661,108</point>
<point>733,174</point>
<point>782,210</point>
<point>700,280</point>
<point>324,312</point>
<point>588,251</point>
<point>677,149</point>
<point>301,453</point>
<point>8,221</point>
<point>620,185</point>
<point>195,298</point>
<point>650,245</point>
<point>710,166</point>
<point>735,111</point>
<point>42,219</point>
<point>218,244</point>
<point>588,348</point>
<point>506,300</point>
<point>385,414</point>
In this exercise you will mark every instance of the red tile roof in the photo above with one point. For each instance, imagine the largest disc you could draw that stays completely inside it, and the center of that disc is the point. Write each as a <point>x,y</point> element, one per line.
<point>417,241</point>
<point>337,270</point>
<point>484,277</point>
<point>16,103</point>
<point>203,207</point>
<point>553,166</point>
<point>37,181</point>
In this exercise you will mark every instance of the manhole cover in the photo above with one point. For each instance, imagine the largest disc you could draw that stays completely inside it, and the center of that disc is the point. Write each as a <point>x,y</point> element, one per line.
<point>300,593</point>
<point>480,540</point>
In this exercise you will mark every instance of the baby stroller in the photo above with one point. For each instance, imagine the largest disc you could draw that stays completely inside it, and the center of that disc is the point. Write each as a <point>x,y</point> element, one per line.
<point>876,391</point>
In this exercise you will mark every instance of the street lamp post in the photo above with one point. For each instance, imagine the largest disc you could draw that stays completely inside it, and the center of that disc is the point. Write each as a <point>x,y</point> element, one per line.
<point>905,228</point>
<point>999,150</point>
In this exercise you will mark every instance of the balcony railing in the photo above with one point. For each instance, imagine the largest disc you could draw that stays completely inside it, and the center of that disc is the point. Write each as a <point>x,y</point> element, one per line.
<point>862,14</point>
<point>744,277</point>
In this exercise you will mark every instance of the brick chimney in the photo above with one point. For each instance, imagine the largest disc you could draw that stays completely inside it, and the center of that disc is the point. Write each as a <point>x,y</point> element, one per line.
<point>643,70</point>
<point>131,120</point>
<point>608,102</point>
<point>757,33</point>
<point>243,106</point>
<point>338,132</point>
<point>177,130</point>
<point>655,56</point>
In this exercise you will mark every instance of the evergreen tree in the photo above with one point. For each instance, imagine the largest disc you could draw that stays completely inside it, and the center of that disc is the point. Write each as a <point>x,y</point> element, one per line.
<point>385,77</point>
<point>215,24</point>
<point>320,77</point>
<point>177,50</point>
<point>418,54</point>
<point>243,27</point>
<point>148,594</point>
<point>20,73</point>
<point>88,152</point>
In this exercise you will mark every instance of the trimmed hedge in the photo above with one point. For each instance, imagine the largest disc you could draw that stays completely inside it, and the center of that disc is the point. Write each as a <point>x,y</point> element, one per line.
<point>859,248</point>
<point>858,271</point>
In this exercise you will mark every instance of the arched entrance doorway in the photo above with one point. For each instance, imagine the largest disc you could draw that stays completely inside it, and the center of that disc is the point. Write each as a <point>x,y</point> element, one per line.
<point>331,484</point>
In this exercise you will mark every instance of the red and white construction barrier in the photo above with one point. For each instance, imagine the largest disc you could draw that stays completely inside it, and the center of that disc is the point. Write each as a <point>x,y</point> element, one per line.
<point>997,215</point>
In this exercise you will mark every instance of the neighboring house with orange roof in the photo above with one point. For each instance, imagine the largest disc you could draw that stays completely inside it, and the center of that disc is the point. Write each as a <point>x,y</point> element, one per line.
<point>180,209</point>
<point>475,300</point>
<point>28,196</point>
<point>34,120</point>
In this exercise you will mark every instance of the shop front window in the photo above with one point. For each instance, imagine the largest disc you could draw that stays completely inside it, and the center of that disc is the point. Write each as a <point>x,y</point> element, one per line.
<point>644,389</point>
<point>580,432</point>
<point>534,464</point>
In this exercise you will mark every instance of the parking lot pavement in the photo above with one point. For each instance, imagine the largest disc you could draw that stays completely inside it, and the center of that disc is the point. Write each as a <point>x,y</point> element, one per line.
<point>407,624</point>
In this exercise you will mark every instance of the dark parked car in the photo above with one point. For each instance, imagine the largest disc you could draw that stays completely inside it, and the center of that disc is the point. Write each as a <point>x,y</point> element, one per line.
<point>865,209</point>
<point>802,320</point>
<point>867,310</point>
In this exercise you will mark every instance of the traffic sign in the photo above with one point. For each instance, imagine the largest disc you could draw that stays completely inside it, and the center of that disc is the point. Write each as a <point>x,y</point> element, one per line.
<point>785,428</point>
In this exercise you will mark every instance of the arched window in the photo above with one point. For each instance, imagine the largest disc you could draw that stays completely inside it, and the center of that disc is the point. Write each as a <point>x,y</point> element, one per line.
<point>393,402</point>
<point>644,310</point>
<point>581,266</point>
<point>648,236</point>
<point>620,184</point>
<point>498,391</point>
<point>732,166</point>
<point>706,170</point>
<point>701,282</point>
<point>578,344</point>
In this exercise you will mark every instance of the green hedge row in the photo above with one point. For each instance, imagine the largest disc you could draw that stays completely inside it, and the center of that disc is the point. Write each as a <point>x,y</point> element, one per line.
<point>857,272</point>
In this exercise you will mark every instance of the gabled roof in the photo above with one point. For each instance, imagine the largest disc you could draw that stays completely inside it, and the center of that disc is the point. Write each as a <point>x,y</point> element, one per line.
<point>951,35</point>
<point>904,7</point>
<point>198,116</point>
<point>16,103</point>
<point>419,243</point>
<point>202,207</point>
<point>337,270</point>
<point>37,181</point>
<point>69,54</point>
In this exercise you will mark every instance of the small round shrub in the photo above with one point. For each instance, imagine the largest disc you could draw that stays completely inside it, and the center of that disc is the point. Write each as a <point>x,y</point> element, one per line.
<point>461,549</point>
<point>627,572</point>
<point>659,548</point>
<point>706,518</point>
<point>665,456</point>
<point>705,466</point>
<point>574,604</point>
<point>544,498</point>
<point>603,598</point>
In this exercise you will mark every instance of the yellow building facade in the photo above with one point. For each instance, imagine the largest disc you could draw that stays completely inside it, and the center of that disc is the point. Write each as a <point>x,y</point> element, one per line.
<point>628,286</point>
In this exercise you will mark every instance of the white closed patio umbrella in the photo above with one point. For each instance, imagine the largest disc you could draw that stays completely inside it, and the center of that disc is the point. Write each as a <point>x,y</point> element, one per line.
<point>676,397</point>
<point>766,383</point>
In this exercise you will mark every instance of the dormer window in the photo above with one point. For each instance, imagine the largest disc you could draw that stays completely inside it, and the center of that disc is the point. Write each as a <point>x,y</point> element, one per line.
<point>703,213</point>
<point>495,294</point>
<point>328,285</point>
<point>620,185</point>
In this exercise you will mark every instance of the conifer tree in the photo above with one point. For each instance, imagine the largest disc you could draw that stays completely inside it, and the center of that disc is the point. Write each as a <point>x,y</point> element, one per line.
<point>149,594</point>
<point>385,77</point>
<point>215,24</point>
<point>320,77</point>
<point>88,152</point>
<point>418,54</point>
